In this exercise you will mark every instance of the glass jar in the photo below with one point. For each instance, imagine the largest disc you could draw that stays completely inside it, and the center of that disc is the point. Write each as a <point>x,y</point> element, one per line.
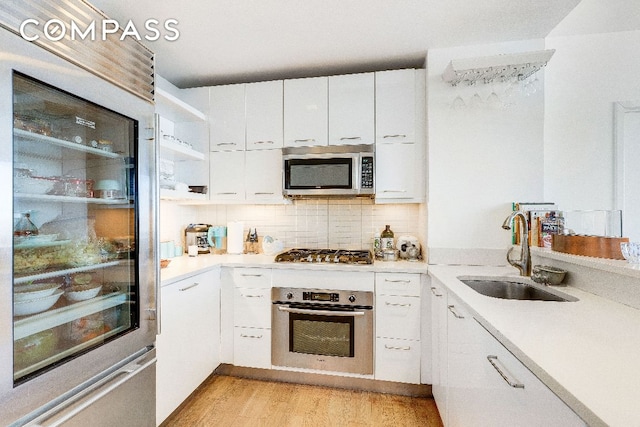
<point>24,227</point>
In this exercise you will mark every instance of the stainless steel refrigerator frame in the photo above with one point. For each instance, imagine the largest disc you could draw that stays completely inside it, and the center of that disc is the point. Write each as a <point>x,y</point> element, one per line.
<point>87,372</point>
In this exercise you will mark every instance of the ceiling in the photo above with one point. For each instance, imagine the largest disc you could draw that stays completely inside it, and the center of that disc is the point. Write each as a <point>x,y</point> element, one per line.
<point>232,41</point>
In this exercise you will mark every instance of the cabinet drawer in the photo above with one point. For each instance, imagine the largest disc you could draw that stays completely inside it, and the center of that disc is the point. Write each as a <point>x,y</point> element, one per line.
<point>398,360</point>
<point>398,317</point>
<point>252,307</point>
<point>252,277</point>
<point>252,347</point>
<point>406,284</point>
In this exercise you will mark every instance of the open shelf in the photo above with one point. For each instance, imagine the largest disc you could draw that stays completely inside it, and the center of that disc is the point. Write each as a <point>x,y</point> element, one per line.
<point>179,110</point>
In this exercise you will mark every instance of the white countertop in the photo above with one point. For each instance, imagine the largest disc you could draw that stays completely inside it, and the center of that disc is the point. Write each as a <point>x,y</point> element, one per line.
<point>185,266</point>
<point>585,351</point>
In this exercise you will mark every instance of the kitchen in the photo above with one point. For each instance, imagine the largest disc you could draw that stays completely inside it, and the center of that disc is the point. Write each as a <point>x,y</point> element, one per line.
<point>519,150</point>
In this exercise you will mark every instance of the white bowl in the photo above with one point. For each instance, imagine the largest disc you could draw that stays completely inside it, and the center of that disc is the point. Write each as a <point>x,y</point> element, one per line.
<point>82,292</point>
<point>37,305</point>
<point>33,291</point>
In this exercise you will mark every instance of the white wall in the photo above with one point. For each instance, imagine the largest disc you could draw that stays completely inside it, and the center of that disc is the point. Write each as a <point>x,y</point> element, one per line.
<point>480,159</point>
<point>586,75</point>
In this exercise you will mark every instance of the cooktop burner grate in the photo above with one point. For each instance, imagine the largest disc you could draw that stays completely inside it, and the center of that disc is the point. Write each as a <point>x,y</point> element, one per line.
<point>336,256</point>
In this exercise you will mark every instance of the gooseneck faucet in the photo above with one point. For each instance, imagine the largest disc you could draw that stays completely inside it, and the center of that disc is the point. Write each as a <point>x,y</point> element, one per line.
<point>524,263</point>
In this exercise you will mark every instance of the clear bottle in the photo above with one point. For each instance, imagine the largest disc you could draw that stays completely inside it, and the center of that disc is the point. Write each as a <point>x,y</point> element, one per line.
<point>386,238</point>
<point>377,245</point>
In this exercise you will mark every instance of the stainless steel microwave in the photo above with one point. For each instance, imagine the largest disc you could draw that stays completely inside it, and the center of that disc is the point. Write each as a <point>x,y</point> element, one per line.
<point>329,171</point>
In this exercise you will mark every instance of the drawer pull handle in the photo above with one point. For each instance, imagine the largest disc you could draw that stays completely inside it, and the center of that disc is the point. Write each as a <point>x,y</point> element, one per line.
<point>347,138</point>
<point>251,275</point>
<point>398,281</point>
<point>264,142</point>
<point>226,194</point>
<point>220,144</point>
<point>398,135</point>
<point>395,304</point>
<point>264,194</point>
<point>251,296</point>
<point>251,336</point>
<point>455,314</point>
<point>391,347</point>
<point>434,291</point>
<point>503,372</point>
<point>305,140</point>
<point>186,288</point>
<point>394,191</point>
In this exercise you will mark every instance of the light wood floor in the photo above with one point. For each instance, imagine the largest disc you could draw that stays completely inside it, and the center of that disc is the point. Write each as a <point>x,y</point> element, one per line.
<point>238,402</point>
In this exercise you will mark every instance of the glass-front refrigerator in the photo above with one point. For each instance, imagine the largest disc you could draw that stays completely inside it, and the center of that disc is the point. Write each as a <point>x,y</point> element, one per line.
<point>74,239</point>
<point>78,272</point>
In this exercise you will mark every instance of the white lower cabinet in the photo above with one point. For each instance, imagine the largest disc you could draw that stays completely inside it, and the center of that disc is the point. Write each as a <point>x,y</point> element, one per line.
<point>480,383</point>
<point>251,316</point>
<point>398,360</point>
<point>398,347</point>
<point>252,347</point>
<point>189,341</point>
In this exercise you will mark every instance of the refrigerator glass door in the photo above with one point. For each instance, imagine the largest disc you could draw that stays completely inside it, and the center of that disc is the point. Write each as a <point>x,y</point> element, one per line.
<point>75,281</point>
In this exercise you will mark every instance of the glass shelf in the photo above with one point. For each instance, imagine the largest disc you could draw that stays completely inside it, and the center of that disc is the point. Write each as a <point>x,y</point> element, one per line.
<point>70,199</point>
<point>80,148</point>
<point>57,273</point>
<point>29,325</point>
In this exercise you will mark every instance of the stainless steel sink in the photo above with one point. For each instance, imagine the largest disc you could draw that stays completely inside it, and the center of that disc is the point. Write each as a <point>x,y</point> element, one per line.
<point>512,289</point>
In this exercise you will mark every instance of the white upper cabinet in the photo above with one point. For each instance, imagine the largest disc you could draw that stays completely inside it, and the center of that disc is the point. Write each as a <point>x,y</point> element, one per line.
<point>263,183</point>
<point>227,117</point>
<point>306,112</point>
<point>351,109</point>
<point>264,109</point>
<point>227,176</point>
<point>396,105</point>
<point>399,174</point>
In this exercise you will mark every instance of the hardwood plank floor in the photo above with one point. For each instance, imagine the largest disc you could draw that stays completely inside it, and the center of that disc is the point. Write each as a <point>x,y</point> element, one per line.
<point>240,402</point>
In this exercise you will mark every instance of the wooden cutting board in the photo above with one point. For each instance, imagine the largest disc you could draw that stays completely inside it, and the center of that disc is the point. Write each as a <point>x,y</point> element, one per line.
<point>595,246</point>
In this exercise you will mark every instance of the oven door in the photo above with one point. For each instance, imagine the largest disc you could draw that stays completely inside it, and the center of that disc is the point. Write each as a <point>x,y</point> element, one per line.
<point>325,338</point>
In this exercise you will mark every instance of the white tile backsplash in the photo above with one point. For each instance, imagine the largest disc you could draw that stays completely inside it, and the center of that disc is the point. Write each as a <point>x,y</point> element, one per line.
<point>343,224</point>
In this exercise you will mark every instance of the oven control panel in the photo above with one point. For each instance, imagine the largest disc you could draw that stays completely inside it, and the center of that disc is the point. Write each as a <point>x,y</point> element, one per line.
<point>321,296</point>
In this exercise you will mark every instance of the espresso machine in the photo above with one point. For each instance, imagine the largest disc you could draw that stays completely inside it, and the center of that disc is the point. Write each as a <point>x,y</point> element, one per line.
<point>196,234</point>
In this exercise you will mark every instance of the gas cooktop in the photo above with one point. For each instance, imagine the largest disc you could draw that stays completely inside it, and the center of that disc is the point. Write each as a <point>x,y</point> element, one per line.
<point>337,256</point>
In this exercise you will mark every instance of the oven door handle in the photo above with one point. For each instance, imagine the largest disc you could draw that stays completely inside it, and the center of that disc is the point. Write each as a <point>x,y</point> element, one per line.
<point>321,312</point>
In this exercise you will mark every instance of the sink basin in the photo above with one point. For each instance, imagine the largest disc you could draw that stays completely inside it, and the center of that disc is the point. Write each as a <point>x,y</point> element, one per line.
<point>512,289</point>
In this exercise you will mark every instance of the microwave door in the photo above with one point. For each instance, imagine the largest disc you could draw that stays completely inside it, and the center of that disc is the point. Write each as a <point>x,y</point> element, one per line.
<point>320,176</point>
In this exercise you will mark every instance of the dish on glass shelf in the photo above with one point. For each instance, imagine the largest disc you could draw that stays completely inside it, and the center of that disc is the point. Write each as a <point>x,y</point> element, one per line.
<point>34,291</point>
<point>82,292</point>
<point>36,305</point>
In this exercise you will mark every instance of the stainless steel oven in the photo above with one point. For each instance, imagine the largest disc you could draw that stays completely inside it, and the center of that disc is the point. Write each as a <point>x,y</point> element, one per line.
<point>323,329</point>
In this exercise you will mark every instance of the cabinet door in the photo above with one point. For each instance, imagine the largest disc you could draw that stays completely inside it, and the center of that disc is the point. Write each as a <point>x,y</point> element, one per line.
<point>227,175</point>
<point>439,346</point>
<point>263,182</point>
<point>227,117</point>
<point>188,346</point>
<point>398,360</point>
<point>398,317</point>
<point>306,112</point>
<point>406,284</point>
<point>252,347</point>
<point>514,394</point>
<point>264,104</point>
<point>351,109</point>
<point>398,173</point>
<point>395,105</point>
<point>252,307</point>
